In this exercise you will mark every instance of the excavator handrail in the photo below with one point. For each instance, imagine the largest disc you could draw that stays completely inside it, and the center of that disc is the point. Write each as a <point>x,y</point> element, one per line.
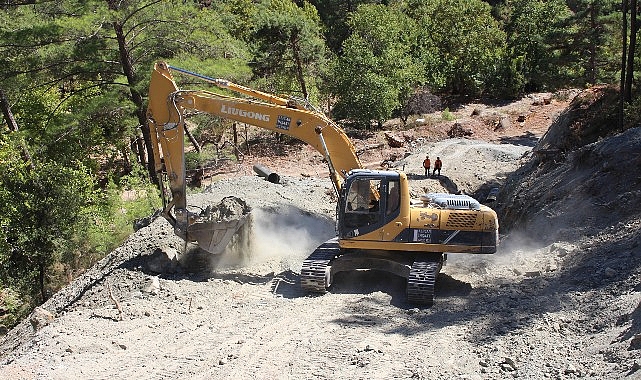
<point>225,84</point>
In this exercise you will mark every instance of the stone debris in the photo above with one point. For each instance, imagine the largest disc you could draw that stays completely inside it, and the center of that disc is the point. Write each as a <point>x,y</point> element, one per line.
<point>508,364</point>
<point>458,130</point>
<point>40,317</point>
<point>229,208</point>
<point>152,286</point>
<point>394,141</point>
<point>162,260</point>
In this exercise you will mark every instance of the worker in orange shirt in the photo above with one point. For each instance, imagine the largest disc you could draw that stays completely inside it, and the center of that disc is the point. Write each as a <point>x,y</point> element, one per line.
<point>427,165</point>
<point>438,164</point>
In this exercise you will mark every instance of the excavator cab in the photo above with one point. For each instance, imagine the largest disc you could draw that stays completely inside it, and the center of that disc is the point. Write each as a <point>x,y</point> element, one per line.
<point>369,199</point>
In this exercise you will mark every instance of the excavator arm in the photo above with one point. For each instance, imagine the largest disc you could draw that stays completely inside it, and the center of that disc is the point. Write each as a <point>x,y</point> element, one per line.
<point>166,117</point>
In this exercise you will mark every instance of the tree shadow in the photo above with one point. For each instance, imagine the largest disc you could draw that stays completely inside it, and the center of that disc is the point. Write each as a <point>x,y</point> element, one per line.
<point>448,184</point>
<point>445,181</point>
<point>368,282</point>
<point>635,327</point>
<point>111,318</point>
<point>507,306</point>
<point>206,273</point>
<point>448,286</point>
<point>526,139</point>
<point>458,102</point>
<point>287,285</point>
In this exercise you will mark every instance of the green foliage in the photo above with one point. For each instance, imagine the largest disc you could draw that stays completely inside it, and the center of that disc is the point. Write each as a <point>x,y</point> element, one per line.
<point>560,43</point>
<point>590,49</point>
<point>335,15</point>
<point>376,73</point>
<point>112,217</point>
<point>41,208</point>
<point>195,160</point>
<point>70,132</point>
<point>633,112</point>
<point>532,28</point>
<point>447,115</point>
<point>509,80</point>
<point>12,305</point>
<point>201,33</point>
<point>459,43</point>
<point>238,15</point>
<point>288,48</point>
<point>53,223</point>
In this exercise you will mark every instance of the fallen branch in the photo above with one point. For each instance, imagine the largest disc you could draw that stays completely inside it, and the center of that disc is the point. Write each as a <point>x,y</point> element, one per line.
<point>115,301</point>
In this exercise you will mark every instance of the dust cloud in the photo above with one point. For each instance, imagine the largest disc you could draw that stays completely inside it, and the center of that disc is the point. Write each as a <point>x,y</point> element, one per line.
<point>517,252</point>
<point>285,232</point>
<point>288,232</point>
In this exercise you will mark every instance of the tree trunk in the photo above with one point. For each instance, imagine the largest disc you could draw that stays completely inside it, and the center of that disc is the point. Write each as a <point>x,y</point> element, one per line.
<point>624,39</point>
<point>13,126</point>
<point>41,282</point>
<point>193,140</point>
<point>249,151</point>
<point>136,97</point>
<point>299,65</point>
<point>140,143</point>
<point>125,158</point>
<point>592,74</point>
<point>6,111</point>
<point>631,50</point>
<point>235,136</point>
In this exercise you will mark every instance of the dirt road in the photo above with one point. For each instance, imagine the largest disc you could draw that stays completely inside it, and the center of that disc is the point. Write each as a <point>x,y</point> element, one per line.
<point>525,312</point>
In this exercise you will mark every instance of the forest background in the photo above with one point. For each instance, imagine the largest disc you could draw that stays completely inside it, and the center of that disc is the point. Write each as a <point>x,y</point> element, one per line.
<point>75,73</point>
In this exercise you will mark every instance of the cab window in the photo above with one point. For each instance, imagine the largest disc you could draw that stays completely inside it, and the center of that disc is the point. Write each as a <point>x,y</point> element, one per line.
<point>362,203</point>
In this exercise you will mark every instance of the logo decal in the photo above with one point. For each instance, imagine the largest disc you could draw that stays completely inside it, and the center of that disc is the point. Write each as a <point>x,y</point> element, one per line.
<point>243,113</point>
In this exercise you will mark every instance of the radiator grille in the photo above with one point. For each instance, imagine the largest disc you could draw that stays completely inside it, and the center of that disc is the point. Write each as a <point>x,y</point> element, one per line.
<point>459,220</point>
<point>459,204</point>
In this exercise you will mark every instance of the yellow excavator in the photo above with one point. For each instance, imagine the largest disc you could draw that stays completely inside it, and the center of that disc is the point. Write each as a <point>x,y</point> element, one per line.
<point>378,225</point>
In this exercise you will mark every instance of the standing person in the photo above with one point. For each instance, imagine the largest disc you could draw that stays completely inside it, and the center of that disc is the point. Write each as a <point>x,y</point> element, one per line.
<point>437,165</point>
<point>427,165</point>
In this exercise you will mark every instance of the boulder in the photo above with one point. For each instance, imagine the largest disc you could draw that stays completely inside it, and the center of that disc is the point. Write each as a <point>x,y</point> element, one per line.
<point>40,317</point>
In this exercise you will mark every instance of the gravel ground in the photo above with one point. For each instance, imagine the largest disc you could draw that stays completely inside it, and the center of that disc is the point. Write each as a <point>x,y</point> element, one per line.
<point>535,310</point>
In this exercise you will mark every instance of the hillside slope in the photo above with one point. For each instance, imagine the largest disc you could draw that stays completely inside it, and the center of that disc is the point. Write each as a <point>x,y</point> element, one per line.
<point>583,175</point>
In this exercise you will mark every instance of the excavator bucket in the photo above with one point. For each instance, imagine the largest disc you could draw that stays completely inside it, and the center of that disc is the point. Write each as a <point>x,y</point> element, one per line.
<point>217,226</point>
<point>215,236</point>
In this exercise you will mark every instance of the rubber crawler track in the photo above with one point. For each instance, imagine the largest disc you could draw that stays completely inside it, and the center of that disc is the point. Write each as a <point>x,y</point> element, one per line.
<point>314,272</point>
<point>420,284</point>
